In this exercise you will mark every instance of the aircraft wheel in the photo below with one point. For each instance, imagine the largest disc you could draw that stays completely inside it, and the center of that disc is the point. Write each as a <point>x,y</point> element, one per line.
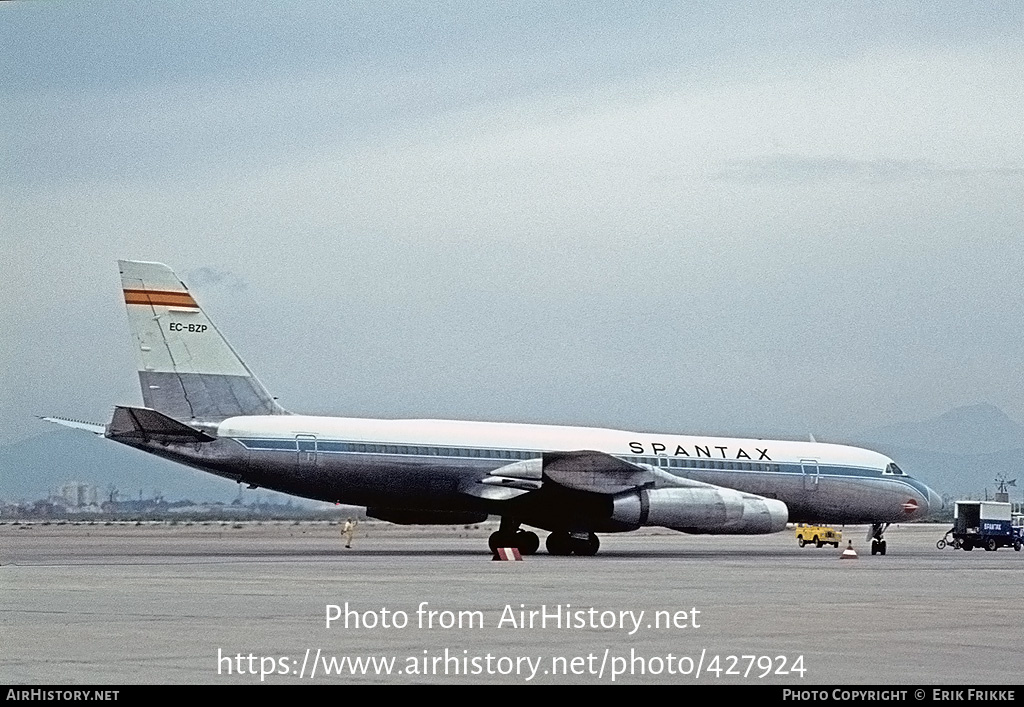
<point>497,540</point>
<point>881,547</point>
<point>800,541</point>
<point>874,547</point>
<point>559,543</point>
<point>527,542</point>
<point>587,547</point>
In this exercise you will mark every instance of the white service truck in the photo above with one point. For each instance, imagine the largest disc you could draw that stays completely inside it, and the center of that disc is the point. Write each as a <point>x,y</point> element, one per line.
<point>984,524</point>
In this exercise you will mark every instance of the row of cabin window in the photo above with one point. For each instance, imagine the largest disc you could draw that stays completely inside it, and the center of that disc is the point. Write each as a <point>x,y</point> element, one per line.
<point>513,454</point>
<point>671,462</point>
<point>443,451</point>
<point>680,463</point>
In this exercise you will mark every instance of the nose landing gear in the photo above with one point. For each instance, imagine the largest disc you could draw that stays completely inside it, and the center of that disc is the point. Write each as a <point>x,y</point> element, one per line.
<point>875,535</point>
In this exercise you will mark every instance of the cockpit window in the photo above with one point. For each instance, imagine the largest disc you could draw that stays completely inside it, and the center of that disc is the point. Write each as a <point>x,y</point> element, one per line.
<point>895,470</point>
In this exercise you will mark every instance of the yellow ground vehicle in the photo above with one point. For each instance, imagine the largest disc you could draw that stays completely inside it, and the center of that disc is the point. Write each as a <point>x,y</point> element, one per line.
<point>817,534</point>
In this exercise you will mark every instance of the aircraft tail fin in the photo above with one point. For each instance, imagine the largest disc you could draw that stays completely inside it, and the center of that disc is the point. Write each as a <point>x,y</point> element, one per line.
<point>186,367</point>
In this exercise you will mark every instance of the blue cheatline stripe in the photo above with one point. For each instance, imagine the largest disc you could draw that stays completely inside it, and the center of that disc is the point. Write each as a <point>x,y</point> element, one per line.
<point>676,464</point>
<point>338,447</point>
<point>278,444</point>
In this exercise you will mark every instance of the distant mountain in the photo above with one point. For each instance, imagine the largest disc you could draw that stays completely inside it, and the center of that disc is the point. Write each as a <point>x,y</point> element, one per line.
<point>958,453</point>
<point>34,467</point>
<point>959,476</point>
<point>972,429</point>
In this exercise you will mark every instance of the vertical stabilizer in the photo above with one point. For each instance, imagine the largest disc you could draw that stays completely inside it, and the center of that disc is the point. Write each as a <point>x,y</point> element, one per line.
<point>186,368</point>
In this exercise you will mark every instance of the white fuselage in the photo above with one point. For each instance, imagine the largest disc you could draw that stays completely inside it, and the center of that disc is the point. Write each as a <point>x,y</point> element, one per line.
<point>817,481</point>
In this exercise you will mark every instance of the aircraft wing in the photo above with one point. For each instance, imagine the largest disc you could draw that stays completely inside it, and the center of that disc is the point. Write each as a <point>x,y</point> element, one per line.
<point>584,470</point>
<point>596,472</point>
<point>590,488</point>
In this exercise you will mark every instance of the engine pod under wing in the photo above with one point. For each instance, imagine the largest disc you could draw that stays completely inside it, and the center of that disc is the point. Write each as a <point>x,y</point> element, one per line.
<point>508,482</point>
<point>709,510</point>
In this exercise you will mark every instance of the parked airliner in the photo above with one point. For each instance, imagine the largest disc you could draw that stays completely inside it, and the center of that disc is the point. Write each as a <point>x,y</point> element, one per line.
<point>203,407</point>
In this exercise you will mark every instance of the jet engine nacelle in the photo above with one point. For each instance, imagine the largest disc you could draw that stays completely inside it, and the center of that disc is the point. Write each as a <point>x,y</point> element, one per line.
<point>708,510</point>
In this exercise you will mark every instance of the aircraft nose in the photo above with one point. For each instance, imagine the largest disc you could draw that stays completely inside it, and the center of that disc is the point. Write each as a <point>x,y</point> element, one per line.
<point>923,502</point>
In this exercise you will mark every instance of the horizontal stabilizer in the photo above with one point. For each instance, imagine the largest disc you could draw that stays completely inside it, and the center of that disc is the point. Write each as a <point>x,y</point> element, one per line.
<point>77,424</point>
<point>143,423</point>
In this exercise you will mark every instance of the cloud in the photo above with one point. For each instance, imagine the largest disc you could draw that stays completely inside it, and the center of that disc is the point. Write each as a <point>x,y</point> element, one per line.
<point>215,277</point>
<point>799,168</point>
<point>707,223</point>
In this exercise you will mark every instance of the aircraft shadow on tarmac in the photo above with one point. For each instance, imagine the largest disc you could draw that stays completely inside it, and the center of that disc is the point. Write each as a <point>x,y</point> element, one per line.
<point>681,554</point>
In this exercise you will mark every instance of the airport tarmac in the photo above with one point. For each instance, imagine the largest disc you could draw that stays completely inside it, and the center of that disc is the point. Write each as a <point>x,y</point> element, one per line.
<point>245,603</point>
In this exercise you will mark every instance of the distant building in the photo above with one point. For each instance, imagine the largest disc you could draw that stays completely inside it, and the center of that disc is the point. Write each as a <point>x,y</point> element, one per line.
<point>76,494</point>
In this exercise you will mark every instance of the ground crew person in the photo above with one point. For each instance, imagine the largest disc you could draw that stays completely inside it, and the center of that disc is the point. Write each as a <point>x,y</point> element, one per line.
<point>348,531</point>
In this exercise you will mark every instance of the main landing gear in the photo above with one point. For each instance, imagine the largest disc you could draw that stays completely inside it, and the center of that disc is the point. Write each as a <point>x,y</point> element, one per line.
<point>875,536</point>
<point>565,543</point>
<point>560,542</point>
<point>508,534</point>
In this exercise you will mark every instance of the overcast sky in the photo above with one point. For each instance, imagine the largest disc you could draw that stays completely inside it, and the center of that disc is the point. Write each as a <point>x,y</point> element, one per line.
<point>693,217</point>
